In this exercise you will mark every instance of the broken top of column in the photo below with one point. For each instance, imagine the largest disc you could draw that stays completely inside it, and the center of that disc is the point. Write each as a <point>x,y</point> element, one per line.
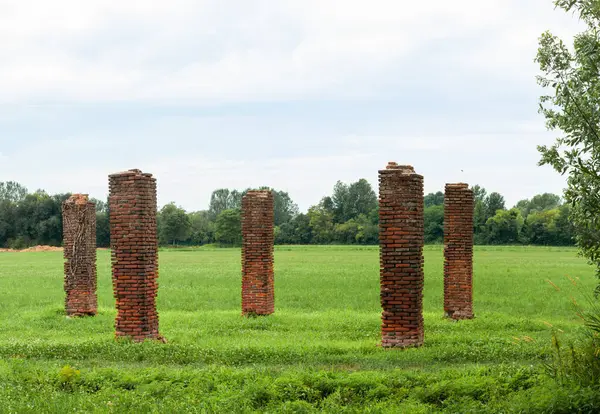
<point>79,199</point>
<point>133,171</point>
<point>393,168</point>
<point>259,193</point>
<point>458,186</point>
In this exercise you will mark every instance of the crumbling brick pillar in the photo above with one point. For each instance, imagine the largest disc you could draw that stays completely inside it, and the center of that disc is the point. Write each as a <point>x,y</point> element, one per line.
<point>79,241</point>
<point>134,245</point>
<point>458,251</point>
<point>258,293</point>
<point>401,240</point>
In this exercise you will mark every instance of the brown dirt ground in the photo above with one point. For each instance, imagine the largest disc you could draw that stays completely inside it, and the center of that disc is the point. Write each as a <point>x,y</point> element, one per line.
<point>40,249</point>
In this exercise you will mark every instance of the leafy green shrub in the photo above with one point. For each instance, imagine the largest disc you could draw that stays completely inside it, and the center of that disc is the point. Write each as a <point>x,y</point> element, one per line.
<point>17,243</point>
<point>68,377</point>
<point>578,362</point>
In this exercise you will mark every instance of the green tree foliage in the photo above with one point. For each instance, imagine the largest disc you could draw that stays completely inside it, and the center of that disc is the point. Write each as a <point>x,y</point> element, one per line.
<point>36,218</point>
<point>102,223</point>
<point>321,223</point>
<point>101,206</point>
<point>361,199</point>
<point>284,207</point>
<point>296,231</point>
<point>540,202</point>
<point>479,193</point>
<point>350,201</point>
<point>505,227</point>
<point>173,224</point>
<point>541,227</point>
<point>327,203</point>
<point>102,230</point>
<point>486,206</point>
<point>8,216</point>
<point>368,230</point>
<point>228,228</point>
<point>346,233</point>
<point>571,106</point>
<point>479,219</point>
<point>479,213</point>
<point>493,203</point>
<point>348,216</point>
<point>565,230</point>
<point>546,221</point>
<point>12,192</point>
<point>224,199</point>
<point>434,199</point>
<point>339,198</point>
<point>434,223</point>
<point>202,228</point>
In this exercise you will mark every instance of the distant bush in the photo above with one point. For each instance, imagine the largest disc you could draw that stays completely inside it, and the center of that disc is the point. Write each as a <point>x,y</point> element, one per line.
<point>18,243</point>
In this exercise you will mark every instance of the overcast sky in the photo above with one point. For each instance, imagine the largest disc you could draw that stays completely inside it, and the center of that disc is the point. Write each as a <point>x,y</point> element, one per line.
<point>291,94</point>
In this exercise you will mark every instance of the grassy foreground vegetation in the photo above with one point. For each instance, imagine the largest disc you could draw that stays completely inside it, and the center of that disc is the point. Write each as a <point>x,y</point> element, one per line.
<point>317,353</point>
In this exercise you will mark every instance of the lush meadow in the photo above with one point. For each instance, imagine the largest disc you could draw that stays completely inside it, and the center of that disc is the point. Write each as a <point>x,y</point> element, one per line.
<point>317,352</point>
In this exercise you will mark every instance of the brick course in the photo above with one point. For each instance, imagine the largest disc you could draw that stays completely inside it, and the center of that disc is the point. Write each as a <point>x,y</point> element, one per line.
<point>134,245</point>
<point>401,255</point>
<point>79,240</point>
<point>458,251</point>
<point>258,293</point>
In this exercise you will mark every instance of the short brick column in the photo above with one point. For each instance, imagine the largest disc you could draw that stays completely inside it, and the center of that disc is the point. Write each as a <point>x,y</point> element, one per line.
<point>401,241</point>
<point>458,251</point>
<point>79,241</point>
<point>134,244</point>
<point>258,293</point>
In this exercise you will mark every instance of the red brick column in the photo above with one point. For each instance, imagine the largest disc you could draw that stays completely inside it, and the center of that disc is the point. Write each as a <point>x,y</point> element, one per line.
<point>79,240</point>
<point>258,293</point>
<point>458,251</point>
<point>133,239</point>
<point>401,255</point>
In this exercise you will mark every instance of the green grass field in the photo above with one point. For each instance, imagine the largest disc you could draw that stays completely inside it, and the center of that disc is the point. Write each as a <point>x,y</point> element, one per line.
<point>318,352</point>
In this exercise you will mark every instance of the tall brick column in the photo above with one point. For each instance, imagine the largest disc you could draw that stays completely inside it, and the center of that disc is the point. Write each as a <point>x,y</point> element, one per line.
<point>401,241</point>
<point>79,240</point>
<point>133,240</point>
<point>258,293</point>
<point>458,251</point>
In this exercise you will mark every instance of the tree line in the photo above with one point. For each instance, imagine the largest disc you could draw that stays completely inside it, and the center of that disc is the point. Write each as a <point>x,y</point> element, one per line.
<point>349,215</point>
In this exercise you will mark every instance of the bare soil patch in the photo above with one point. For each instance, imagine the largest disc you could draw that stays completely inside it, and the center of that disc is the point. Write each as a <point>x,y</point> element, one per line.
<point>35,249</point>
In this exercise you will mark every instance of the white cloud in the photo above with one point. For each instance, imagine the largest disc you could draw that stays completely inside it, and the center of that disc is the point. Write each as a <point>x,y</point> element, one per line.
<point>225,50</point>
<point>451,71</point>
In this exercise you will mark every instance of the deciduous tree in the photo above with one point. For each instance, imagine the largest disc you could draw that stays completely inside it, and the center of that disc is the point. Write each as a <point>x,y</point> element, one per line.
<point>572,107</point>
<point>228,227</point>
<point>173,224</point>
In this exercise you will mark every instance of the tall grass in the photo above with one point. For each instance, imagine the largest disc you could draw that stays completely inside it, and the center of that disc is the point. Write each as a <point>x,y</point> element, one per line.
<point>318,352</point>
<point>578,360</point>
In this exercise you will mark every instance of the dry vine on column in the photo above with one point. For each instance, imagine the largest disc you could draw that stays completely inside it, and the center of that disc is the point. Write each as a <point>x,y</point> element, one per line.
<point>79,240</point>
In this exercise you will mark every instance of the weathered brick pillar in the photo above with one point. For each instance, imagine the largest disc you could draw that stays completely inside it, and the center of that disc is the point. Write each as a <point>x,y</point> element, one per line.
<point>401,240</point>
<point>133,240</point>
<point>258,293</point>
<point>458,251</point>
<point>79,241</point>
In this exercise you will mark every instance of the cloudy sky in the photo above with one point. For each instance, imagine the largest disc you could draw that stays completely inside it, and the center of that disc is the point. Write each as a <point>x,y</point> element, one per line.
<point>291,94</point>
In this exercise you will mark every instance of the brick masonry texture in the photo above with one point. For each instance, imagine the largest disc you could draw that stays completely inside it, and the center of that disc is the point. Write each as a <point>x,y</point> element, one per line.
<point>458,251</point>
<point>401,256</point>
<point>258,293</point>
<point>134,245</point>
<point>79,240</point>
